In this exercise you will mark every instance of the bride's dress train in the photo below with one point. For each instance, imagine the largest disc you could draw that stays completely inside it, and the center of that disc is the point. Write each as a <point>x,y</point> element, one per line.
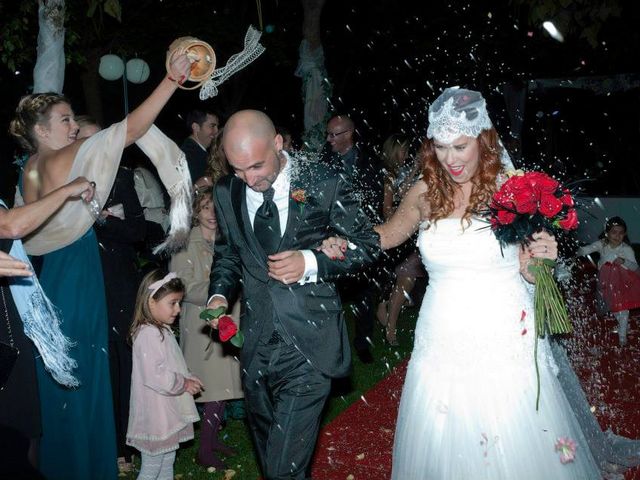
<point>468,408</point>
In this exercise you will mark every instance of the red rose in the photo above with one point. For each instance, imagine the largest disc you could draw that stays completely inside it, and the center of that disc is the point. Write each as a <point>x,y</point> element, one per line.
<point>505,217</point>
<point>570,222</point>
<point>567,199</point>
<point>542,182</point>
<point>226,328</point>
<point>526,201</point>
<point>550,206</point>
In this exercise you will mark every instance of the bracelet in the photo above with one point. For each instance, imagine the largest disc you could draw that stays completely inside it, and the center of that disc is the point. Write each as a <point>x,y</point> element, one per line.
<point>179,82</point>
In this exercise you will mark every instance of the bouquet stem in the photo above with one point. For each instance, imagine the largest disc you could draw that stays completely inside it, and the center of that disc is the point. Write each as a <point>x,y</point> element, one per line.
<point>550,311</point>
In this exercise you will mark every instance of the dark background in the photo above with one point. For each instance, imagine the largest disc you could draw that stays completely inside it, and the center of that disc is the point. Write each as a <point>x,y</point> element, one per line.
<point>387,60</point>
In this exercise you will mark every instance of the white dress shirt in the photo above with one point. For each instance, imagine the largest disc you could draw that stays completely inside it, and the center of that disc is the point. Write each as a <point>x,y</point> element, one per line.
<point>281,188</point>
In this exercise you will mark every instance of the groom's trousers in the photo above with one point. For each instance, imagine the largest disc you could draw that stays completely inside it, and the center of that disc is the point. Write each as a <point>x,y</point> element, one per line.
<point>285,397</point>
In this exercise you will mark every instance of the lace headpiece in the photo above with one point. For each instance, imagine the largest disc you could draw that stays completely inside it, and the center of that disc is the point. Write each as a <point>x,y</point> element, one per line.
<point>457,112</point>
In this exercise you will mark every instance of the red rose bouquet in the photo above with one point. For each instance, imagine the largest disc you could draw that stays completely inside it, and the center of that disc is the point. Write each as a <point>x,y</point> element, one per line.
<point>227,328</point>
<point>525,204</point>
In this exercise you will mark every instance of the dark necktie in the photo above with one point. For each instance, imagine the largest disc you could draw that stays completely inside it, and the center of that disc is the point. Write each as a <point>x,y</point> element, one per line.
<point>266,225</point>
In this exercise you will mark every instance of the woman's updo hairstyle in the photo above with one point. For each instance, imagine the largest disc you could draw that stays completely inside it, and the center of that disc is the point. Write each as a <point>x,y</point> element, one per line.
<point>33,110</point>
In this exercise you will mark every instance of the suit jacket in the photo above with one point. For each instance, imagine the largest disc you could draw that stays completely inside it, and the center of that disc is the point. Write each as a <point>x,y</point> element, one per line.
<point>311,314</point>
<point>366,176</point>
<point>196,158</point>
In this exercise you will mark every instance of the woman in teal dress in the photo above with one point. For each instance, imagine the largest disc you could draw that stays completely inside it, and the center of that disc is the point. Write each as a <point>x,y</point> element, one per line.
<point>78,431</point>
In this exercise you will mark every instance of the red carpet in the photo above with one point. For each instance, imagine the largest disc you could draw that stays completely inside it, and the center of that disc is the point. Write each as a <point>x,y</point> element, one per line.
<point>360,440</point>
<point>358,443</point>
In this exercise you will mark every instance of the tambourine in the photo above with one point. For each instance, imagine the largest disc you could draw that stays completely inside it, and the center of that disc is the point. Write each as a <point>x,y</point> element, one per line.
<point>201,56</point>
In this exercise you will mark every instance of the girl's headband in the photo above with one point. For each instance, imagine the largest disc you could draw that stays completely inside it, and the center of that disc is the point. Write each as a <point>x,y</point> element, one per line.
<point>155,286</point>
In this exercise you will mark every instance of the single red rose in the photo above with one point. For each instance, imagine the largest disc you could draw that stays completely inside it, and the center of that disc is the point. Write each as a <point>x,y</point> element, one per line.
<point>226,328</point>
<point>567,199</point>
<point>550,205</point>
<point>570,222</point>
<point>502,199</point>
<point>505,217</point>
<point>526,201</point>
<point>542,182</point>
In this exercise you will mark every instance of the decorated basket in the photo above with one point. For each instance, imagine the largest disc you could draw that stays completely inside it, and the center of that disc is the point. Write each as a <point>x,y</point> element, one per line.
<point>201,55</point>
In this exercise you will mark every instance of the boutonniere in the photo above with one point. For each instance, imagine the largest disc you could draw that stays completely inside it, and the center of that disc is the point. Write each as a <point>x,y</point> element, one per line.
<point>299,195</point>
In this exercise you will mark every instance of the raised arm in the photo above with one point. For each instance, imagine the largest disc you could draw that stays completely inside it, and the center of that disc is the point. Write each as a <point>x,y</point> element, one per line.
<point>405,220</point>
<point>139,121</point>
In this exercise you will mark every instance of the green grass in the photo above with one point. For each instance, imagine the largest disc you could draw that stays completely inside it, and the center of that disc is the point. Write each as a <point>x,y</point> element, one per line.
<point>345,392</point>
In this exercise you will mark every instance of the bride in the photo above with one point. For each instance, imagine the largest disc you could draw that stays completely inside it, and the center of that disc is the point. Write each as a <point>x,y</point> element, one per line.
<point>468,407</point>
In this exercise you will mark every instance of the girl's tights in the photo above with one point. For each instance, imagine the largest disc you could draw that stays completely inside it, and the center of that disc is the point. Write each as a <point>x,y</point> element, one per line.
<point>623,325</point>
<point>157,467</point>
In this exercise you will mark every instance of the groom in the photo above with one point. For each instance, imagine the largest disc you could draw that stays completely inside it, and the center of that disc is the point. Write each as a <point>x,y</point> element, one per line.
<point>272,214</point>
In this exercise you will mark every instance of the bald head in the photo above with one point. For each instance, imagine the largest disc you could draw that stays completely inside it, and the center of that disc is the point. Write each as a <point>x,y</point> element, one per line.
<point>245,129</point>
<point>252,148</point>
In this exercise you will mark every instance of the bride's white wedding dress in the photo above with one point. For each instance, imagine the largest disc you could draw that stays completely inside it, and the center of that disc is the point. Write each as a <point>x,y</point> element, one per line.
<point>468,408</point>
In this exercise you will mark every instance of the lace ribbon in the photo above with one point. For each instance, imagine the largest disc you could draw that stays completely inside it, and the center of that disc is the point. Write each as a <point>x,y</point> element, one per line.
<point>252,50</point>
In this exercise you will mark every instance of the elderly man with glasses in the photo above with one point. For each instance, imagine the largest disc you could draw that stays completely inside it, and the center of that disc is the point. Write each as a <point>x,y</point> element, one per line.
<point>342,152</point>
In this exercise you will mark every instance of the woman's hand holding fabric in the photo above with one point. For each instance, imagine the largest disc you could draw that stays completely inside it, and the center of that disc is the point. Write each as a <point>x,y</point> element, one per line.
<point>10,267</point>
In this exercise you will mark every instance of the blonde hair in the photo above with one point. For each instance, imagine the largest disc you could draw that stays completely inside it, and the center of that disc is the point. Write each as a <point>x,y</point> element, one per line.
<point>33,110</point>
<point>142,311</point>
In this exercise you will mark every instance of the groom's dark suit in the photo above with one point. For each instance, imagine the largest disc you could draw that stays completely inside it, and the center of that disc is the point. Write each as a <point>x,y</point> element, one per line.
<point>286,377</point>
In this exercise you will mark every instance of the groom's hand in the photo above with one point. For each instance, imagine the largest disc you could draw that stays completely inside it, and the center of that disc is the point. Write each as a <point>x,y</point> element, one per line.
<point>217,301</point>
<point>287,267</point>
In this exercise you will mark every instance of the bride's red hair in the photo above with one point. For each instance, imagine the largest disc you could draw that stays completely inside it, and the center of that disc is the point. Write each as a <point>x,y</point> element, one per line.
<point>441,188</point>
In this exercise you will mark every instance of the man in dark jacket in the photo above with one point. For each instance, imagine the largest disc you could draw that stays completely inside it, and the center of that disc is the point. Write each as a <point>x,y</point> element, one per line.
<point>204,127</point>
<point>343,153</point>
<point>272,213</point>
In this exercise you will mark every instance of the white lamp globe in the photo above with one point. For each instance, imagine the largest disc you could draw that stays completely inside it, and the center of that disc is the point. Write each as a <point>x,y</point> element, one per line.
<point>111,67</point>
<point>137,70</point>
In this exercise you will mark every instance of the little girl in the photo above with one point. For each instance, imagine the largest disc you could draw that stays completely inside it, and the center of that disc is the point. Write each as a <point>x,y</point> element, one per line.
<point>618,276</point>
<point>162,409</point>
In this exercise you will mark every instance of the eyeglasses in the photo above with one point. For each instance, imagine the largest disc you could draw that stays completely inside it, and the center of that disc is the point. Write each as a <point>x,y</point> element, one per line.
<point>335,134</point>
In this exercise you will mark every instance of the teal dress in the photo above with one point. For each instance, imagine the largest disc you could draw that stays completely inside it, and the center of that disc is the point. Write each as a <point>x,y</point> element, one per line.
<point>78,430</point>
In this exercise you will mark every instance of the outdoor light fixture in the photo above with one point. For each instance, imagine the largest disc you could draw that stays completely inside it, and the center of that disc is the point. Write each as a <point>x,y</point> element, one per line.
<point>112,67</point>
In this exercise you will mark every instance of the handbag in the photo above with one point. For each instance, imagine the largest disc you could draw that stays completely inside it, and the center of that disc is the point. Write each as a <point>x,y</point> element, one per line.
<point>8,352</point>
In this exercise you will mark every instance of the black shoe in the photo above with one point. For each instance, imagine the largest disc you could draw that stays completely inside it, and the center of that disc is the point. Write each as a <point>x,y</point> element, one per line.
<point>365,355</point>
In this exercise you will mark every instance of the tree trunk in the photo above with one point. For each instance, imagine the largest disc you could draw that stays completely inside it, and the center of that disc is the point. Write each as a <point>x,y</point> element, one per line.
<point>311,22</point>
<point>316,88</point>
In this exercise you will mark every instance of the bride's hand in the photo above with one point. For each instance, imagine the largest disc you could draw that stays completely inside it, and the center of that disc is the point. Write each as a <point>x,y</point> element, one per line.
<point>333,247</point>
<point>543,245</point>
